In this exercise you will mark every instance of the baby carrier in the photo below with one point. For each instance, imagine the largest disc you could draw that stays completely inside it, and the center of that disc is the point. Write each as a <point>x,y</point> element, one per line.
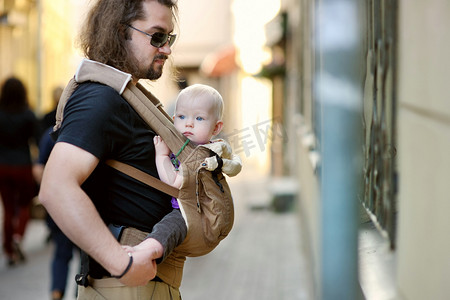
<point>204,197</point>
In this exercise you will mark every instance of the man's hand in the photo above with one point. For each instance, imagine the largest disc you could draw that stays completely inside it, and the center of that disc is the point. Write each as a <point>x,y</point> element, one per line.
<point>143,268</point>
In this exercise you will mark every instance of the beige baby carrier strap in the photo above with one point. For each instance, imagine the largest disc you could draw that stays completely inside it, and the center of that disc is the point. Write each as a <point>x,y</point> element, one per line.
<point>204,197</point>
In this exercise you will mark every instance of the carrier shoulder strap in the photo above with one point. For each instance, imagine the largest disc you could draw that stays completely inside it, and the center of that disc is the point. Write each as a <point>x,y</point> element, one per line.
<point>157,118</point>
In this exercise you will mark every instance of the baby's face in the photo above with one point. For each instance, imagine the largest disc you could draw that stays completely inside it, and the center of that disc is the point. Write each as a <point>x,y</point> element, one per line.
<point>196,119</point>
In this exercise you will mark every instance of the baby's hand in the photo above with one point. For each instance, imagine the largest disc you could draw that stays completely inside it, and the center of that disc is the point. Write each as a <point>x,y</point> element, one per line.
<point>161,148</point>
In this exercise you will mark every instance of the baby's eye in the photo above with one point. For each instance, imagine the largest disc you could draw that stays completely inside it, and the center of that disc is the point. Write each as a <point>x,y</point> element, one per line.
<point>181,117</point>
<point>199,119</point>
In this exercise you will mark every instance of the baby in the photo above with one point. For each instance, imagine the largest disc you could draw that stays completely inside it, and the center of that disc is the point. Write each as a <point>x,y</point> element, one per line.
<point>198,116</point>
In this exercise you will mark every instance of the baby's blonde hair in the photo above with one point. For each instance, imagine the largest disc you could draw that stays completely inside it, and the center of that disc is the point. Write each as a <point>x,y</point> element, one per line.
<point>197,90</point>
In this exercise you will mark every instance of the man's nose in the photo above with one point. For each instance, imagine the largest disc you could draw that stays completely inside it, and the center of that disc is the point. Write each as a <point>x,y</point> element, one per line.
<point>165,49</point>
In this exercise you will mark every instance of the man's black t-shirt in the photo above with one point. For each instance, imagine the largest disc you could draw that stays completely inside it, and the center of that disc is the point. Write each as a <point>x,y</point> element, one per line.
<point>98,120</point>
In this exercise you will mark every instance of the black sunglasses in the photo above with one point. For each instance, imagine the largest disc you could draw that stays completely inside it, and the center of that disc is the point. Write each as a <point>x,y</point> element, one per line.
<point>158,39</point>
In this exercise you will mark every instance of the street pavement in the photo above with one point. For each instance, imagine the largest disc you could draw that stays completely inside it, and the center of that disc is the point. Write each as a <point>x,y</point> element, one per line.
<point>260,259</point>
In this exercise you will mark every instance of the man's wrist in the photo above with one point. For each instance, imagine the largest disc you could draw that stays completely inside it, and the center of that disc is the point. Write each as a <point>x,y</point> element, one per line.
<point>130,263</point>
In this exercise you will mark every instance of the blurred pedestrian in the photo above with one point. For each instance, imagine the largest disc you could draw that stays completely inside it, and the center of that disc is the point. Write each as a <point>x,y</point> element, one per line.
<point>18,126</point>
<point>63,247</point>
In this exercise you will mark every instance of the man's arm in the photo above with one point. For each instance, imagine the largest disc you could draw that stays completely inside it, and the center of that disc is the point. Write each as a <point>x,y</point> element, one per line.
<point>73,211</point>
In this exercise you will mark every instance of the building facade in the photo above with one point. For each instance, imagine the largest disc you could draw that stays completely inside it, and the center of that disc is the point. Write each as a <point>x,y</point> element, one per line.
<point>366,79</point>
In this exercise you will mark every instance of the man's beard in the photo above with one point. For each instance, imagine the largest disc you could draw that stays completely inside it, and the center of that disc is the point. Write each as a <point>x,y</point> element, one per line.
<point>154,72</point>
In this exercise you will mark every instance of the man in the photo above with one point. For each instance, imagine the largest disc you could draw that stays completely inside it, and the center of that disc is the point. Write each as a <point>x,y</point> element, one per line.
<point>79,191</point>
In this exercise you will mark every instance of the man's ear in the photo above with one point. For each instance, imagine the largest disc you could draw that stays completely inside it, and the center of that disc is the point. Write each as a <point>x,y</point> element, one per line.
<point>218,127</point>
